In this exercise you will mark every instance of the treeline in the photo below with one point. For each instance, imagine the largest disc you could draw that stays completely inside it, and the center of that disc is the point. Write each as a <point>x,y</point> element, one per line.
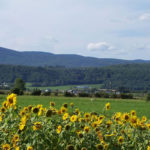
<point>129,77</point>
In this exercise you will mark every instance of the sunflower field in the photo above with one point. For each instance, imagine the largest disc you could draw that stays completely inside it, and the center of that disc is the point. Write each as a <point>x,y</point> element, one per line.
<point>68,128</point>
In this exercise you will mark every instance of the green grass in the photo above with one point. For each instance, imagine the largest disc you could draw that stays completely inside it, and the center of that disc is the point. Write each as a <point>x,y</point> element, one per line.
<point>64,87</point>
<point>85,104</point>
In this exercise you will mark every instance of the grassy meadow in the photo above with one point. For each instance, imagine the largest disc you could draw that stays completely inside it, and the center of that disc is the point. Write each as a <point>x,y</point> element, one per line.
<point>84,104</point>
<point>63,87</point>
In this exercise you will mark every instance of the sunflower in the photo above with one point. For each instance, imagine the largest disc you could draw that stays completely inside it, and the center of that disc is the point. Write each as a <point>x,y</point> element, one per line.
<point>59,129</point>
<point>21,126</point>
<point>106,146</point>
<point>26,109</point>
<point>108,124</point>
<point>63,110</point>
<point>1,118</point>
<point>49,113</point>
<point>80,135</point>
<point>65,105</point>
<point>144,118</point>
<point>73,118</point>
<point>6,147</point>
<point>11,99</point>
<point>101,117</point>
<point>24,120</point>
<point>5,104</point>
<point>16,138</point>
<point>94,124</point>
<point>133,113</point>
<point>126,117</point>
<point>22,113</point>
<point>72,104</point>
<point>100,136</point>
<point>65,116</point>
<point>35,110</point>
<point>17,148</point>
<point>86,129</point>
<point>107,106</point>
<point>148,126</point>
<point>41,111</point>
<point>3,109</point>
<point>52,104</point>
<point>77,111</point>
<point>83,148</point>
<point>39,106</point>
<point>67,127</point>
<point>37,126</point>
<point>120,140</point>
<point>133,120</point>
<point>86,115</point>
<point>70,147</point>
<point>30,107</point>
<point>29,148</point>
<point>148,148</point>
<point>99,147</point>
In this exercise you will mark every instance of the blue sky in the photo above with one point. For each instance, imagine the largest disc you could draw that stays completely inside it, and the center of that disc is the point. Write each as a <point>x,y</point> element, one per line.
<point>97,28</point>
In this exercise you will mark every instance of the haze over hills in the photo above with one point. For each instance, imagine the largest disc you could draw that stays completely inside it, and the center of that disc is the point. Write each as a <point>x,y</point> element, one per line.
<point>36,58</point>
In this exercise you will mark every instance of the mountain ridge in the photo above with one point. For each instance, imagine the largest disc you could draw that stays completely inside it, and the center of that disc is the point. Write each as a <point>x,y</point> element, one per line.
<point>38,58</point>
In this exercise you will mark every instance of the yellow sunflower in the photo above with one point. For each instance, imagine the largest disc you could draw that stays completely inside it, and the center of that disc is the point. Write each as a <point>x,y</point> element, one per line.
<point>65,116</point>
<point>86,129</point>
<point>107,106</point>
<point>29,148</point>
<point>73,118</point>
<point>11,100</point>
<point>6,147</point>
<point>59,129</point>
<point>120,139</point>
<point>37,126</point>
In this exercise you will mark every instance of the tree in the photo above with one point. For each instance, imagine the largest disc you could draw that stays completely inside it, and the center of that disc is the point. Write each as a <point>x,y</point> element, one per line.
<point>19,86</point>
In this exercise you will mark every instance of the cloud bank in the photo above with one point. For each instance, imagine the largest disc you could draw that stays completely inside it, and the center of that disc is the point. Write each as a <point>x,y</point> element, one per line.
<point>144,17</point>
<point>100,46</point>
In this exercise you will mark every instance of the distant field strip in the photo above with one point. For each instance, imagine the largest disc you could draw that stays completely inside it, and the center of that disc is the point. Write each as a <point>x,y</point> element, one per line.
<point>86,105</point>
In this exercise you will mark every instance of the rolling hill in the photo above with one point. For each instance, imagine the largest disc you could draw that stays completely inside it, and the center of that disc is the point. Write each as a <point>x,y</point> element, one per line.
<point>35,58</point>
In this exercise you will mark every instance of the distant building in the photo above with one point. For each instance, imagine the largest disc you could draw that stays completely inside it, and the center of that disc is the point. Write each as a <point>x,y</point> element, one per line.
<point>82,87</point>
<point>4,85</point>
<point>48,90</point>
<point>108,91</point>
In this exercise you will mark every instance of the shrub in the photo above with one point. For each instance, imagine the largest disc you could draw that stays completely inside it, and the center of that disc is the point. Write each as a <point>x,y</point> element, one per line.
<point>2,92</point>
<point>114,95</point>
<point>17,91</point>
<point>36,92</point>
<point>105,95</point>
<point>68,94</point>
<point>45,93</point>
<point>83,94</point>
<point>148,97</point>
<point>126,96</point>
<point>98,94</point>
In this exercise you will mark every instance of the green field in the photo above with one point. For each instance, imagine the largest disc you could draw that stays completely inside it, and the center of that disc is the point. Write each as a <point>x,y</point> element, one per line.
<point>84,104</point>
<point>64,87</point>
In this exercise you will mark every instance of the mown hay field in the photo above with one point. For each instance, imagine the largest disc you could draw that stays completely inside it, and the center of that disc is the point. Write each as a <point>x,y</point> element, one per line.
<point>86,105</point>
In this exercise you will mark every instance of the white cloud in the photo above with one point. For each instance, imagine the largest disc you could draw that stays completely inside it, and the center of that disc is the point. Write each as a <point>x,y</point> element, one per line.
<point>145,16</point>
<point>99,46</point>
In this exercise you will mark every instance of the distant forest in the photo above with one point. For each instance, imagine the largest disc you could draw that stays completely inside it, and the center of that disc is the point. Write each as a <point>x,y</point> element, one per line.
<point>130,76</point>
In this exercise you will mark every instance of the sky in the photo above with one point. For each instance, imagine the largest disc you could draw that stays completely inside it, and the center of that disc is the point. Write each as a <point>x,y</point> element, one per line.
<point>97,28</point>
